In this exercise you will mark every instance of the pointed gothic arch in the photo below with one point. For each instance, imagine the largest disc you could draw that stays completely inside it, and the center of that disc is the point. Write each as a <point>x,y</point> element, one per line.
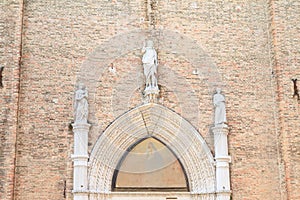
<point>170,128</point>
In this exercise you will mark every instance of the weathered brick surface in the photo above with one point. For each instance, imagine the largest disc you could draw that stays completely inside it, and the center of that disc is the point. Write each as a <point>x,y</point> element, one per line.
<point>286,46</point>
<point>10,40</point>
<point>254,50</point>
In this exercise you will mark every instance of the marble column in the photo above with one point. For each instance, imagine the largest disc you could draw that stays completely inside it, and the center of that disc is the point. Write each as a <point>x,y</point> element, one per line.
<point>80,160</point>
<point>222,162</point>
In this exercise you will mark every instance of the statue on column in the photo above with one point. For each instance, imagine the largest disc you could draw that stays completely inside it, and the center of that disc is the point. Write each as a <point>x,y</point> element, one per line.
<point>150,64</point>
<point>81,104</point>
<point>220,110</point>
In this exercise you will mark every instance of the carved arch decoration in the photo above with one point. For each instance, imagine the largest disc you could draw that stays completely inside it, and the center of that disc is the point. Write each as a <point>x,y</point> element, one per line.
<point>159,122</point>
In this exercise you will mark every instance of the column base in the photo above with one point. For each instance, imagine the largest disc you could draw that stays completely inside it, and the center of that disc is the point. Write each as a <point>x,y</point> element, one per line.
<point>150,94</point>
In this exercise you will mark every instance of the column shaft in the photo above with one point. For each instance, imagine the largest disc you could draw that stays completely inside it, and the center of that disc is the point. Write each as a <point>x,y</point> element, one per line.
<point>80,160</point>
<point>222,162</point>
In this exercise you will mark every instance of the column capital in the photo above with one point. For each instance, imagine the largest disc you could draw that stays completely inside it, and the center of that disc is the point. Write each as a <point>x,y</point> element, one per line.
<point>81,127</point>
<point>79,157</point>
<point>223,159</point>
<point>223,192</point>
<point>84,126</point>
<point>222,128</point>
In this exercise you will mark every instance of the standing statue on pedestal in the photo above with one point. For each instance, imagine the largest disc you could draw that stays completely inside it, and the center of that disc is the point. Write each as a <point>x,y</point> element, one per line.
<point>81,105</point>
<point>150,64</point>
<point>220,110</point>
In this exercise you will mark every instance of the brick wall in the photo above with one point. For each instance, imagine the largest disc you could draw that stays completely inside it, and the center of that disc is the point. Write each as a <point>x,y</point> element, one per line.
<point>10,41</point>
<point>248,47</point>
<point>285,31</point>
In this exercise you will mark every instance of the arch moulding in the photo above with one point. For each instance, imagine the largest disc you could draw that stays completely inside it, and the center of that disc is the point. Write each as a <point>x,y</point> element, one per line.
<point>152,120</point>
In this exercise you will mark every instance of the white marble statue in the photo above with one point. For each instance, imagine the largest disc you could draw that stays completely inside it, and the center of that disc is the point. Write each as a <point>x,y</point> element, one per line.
<point>81,104</point>
<point>220,110</point>
<point>150,64</point>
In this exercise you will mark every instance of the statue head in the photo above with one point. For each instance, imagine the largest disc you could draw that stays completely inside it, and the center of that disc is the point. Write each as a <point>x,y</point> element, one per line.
<point>218,90</point>
<point>149,43</point>
<point>81,86</point>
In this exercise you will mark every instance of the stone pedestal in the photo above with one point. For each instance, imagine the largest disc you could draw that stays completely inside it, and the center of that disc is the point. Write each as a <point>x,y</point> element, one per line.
<point>80,160</point>
<point>222,162</point>
<point>151,94</point>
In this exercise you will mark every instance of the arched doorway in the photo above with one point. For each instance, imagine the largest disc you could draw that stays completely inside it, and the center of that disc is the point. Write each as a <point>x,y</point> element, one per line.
<point>169,129</point>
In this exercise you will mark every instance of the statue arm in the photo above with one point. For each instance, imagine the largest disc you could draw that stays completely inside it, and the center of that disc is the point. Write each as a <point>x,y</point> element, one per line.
<point>215,101</point>
<point>81,94</point>
<point>144,48</point>
<point>77,96</point>
<point>75,105</point>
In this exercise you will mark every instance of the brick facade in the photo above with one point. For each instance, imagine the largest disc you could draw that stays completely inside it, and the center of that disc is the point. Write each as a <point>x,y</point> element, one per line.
<point>249,48</point>
<point>10,41</point>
